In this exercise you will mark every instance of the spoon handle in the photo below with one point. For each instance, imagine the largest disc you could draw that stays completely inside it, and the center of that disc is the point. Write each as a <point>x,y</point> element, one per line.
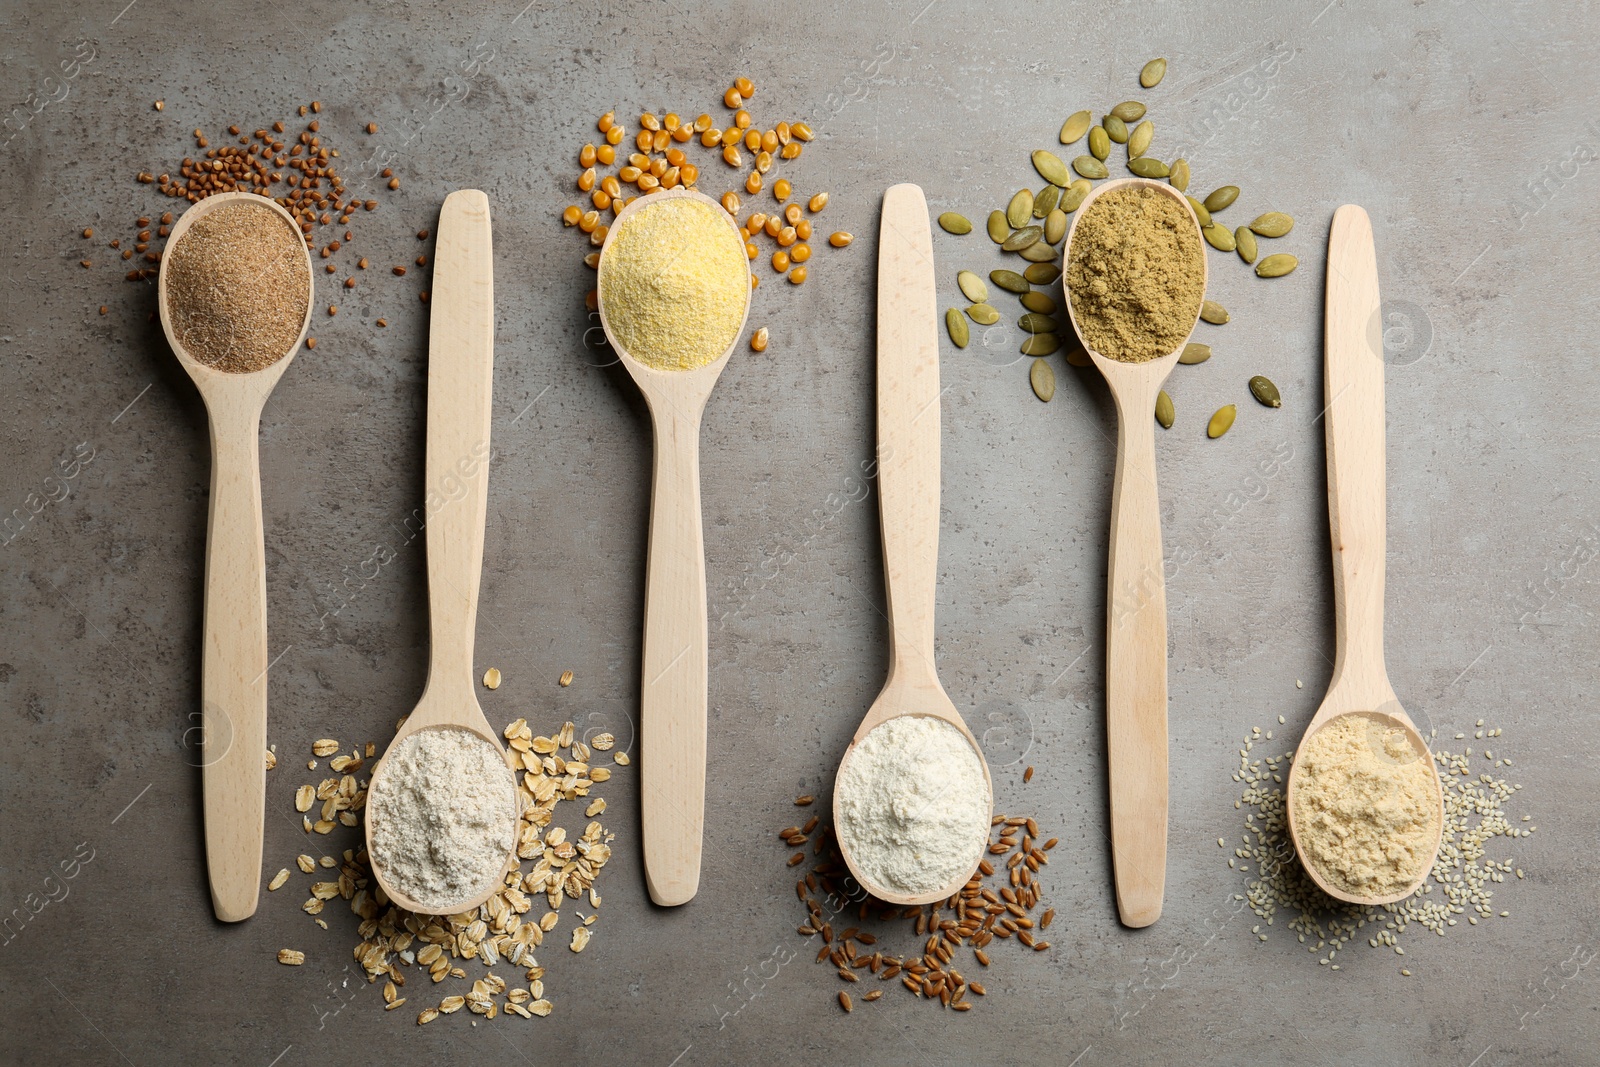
<point>1136,666</point>
<point>672,697</point>
<point>908,429</point>
<point>233,667</point>
<point>1353,392</point>
<point>460,384</point>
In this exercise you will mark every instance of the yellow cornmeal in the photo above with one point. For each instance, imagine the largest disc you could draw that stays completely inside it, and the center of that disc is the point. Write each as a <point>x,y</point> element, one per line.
<point>1365,809</point>
<point>674,278</point>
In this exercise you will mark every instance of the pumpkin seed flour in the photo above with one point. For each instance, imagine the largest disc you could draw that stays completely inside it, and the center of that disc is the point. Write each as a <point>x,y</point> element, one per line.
<point>673,284</point>
<point>1460,886</point>
<point>998,903</point>
<point>396,946</point>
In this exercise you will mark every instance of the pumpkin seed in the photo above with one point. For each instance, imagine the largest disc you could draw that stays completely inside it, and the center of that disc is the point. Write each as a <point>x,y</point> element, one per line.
<point>1276,265</point>
<point>1193,353</point>
<point>957,325</point>
<point>1115,129</point>
<point>1139,139</point>
<point>1148,167</point>
<point>1152,72</point>
<point>1222,421</point>
<point>1077,357</point>
<point>954,222</point>
<point>1165,413</point>
<point>1272,224</point>
<point>1033,322</point>
<point>972,287</point>
<point>1039,252</point>
<point>1263,390</point>
<point>1037,301</point>
<point>1050,167</point>
<point>1210,311</point>
<point>1180,175</point>
<point>1200,213</point>
<point>1022,238</point>
<point>1009,280</point>
<point>1221,198</point>
<point>1245,242</point>
<point>1020,210</point>
<point>983,314</point>
<point>1099,143</point>
<point>1072,199</point>
<point>999,229</point>
<point>1041,274</point>
<point>1129,111</point>
<point>1043,380</point>
<point>1090,167</point>
<point>1218,237</point>
<point>1040,344</point>
<point>1055,226</point>
<point>1076,126</point>
<point>1044,201</point>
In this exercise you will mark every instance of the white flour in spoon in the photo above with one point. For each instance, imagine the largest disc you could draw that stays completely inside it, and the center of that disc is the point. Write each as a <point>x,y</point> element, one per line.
<point>443,816</point>
<point>913,805</point>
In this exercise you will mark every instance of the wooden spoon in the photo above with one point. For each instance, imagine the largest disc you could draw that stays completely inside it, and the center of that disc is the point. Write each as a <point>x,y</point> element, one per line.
<point>908,495</point>
<point>672,697</point>
<point>1136,613</point>
<point>460,383</point>
<point>233,663</point>
<point>1353,386</point>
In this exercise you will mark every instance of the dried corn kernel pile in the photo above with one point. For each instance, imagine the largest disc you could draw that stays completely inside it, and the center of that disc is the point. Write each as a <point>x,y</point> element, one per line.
<point>394,942</point>
<point>612,176</point>
<point>973,918</point>
<point>1461,883</point>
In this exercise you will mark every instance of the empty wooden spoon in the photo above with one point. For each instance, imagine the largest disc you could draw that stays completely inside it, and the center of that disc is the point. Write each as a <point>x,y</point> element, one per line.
<point>460,384</point>
<point>1357,480</point>
<point>908,500</point>
<point>1136,611</point>
<point>233,664</point>
<point>672,697</point>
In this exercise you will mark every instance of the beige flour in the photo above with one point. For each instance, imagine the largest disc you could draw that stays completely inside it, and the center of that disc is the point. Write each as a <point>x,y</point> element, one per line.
<point>1365,808</point>
<point>674,282</point>
<point>443,816</point>
<point>913,805</point>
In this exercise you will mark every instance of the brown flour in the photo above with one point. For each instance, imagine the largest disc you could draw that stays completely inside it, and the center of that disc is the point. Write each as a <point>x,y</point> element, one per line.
<point>238,287</point>
<point>1136,275</point>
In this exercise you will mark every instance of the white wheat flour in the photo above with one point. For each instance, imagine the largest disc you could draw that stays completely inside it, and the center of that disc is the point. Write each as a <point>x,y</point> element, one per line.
<point>913,805</point>
<point>443,816</point>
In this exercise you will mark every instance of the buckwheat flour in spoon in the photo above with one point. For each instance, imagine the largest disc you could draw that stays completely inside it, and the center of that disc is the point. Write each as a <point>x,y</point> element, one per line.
<point>236,287</point>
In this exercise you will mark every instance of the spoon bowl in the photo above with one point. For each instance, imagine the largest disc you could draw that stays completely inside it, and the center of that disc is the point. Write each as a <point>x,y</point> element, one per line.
<point>233,666</point>
<point>1136,607</point>
<point>908,500</point>
<point>1357,486</point>
<point>460,386</point>
<point>675,668</point>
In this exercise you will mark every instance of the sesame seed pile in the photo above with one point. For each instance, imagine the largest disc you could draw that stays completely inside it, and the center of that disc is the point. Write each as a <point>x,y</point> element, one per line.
<point>996,903</point>
<point>1461,883</point>
<point>394,944</point>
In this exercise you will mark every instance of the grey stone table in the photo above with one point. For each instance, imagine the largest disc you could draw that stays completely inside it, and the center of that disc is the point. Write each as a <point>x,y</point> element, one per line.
<point>1464,129</point>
